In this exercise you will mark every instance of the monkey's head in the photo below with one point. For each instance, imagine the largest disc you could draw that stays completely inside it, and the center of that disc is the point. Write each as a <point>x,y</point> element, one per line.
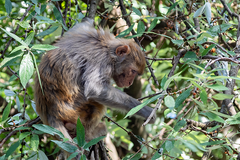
<point>130,62</point>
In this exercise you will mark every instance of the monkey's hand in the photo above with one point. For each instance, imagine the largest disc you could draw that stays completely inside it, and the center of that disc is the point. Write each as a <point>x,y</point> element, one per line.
<point>146,112</point>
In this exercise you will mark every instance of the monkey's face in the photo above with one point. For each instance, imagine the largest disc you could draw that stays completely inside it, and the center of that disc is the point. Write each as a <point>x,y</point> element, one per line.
<point>126,78</point>
<point>130,63</point>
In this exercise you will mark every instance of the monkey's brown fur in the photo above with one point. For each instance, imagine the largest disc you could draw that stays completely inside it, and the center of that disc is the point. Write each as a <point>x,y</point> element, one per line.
<point>76,79</point>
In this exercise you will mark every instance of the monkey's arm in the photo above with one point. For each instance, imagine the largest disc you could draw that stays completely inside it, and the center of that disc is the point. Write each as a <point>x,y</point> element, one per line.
<point>117,99</point>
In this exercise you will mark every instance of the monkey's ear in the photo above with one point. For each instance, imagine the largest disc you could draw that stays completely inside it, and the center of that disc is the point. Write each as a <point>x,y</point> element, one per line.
<point>122,50</point>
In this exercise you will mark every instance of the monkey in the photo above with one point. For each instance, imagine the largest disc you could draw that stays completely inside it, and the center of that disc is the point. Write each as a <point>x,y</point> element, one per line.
<point>76,80</point>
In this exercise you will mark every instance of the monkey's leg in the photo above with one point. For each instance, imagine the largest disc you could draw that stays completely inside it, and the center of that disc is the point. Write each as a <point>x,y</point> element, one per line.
<point>98,131</point>
<point>59,125</point>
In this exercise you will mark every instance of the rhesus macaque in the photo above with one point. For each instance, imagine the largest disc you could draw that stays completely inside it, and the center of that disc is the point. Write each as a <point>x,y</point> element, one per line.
<point>76,80</point>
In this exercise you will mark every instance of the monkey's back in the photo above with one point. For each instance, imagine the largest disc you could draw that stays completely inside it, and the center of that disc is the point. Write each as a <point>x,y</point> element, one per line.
<point>63,98</point>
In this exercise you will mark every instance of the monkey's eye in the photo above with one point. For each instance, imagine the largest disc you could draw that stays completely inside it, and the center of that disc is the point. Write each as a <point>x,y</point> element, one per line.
<point>133,71</point>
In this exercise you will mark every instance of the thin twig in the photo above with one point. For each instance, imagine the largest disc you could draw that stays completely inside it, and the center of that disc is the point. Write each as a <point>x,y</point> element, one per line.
<point>232,14</point>
<point>159,59</point>
<point>160,134</point>
<point>29,124</point>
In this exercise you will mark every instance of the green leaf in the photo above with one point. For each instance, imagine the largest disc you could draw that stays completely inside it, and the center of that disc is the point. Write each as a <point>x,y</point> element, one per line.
<point>24,135</point>
<point>73,155</point>
<point>197,85</point>
<point>33,156</point>
<point>140,28</point>
<point>179,125</point>
<point>169,146</point>
<point>35,1</point>
<point>133,157</point>
<point>214,128</point>
<point>224,27</point>
<point>9,92</point>
<point>125,32</point>
<point>80,133</point>
<point>189,145</point>
<point>39,79</point>
<point>65,146</point>
<point>18,48</point>
<point>156,156</point>
<point>29,39</point>
<point>43,7</point>
<point>199,11</point>
<point>44,47</point>
<point>6,111</point>
<point>13,77</point>
<point>9,59</point>
<point>221,96</point>
<point>190,54</point>
<point>231,53</point>
<point>166,112</point>
<point>170,80</point>
<point>201,105</point>
<point>203,96</point>
<point>137,108</point>
<point>212,143</point>
<point>26,69</point>
<point>22,128</point>
<point>213,31</point>
<point>37,10</point>
<point>92,142</point>
<point>182,97</point>
<point>172,7</point>
<point>48,31</point>
<point>47,20</point>
<point>169,102</point>
<point>15,37</point>
<point>8,6</point>
<point>153,24</point>
<point>222,115</point>
<point>207,12</point>
<point>177,42</point>
<point>3,157</point>
<point>83,157</point>
<point>12,148</point>
<point>24,24</point>
<point>48,129</point>
<point>137,11</point>
<point>34,142</point>
<point>208,49</point>
<point>217,87</point>
<point>213,117</point>
<point>57,14</point>
<point>3,17</point>
<point>163,81</point>
<point>42,155</point>
<point>56,150</point>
